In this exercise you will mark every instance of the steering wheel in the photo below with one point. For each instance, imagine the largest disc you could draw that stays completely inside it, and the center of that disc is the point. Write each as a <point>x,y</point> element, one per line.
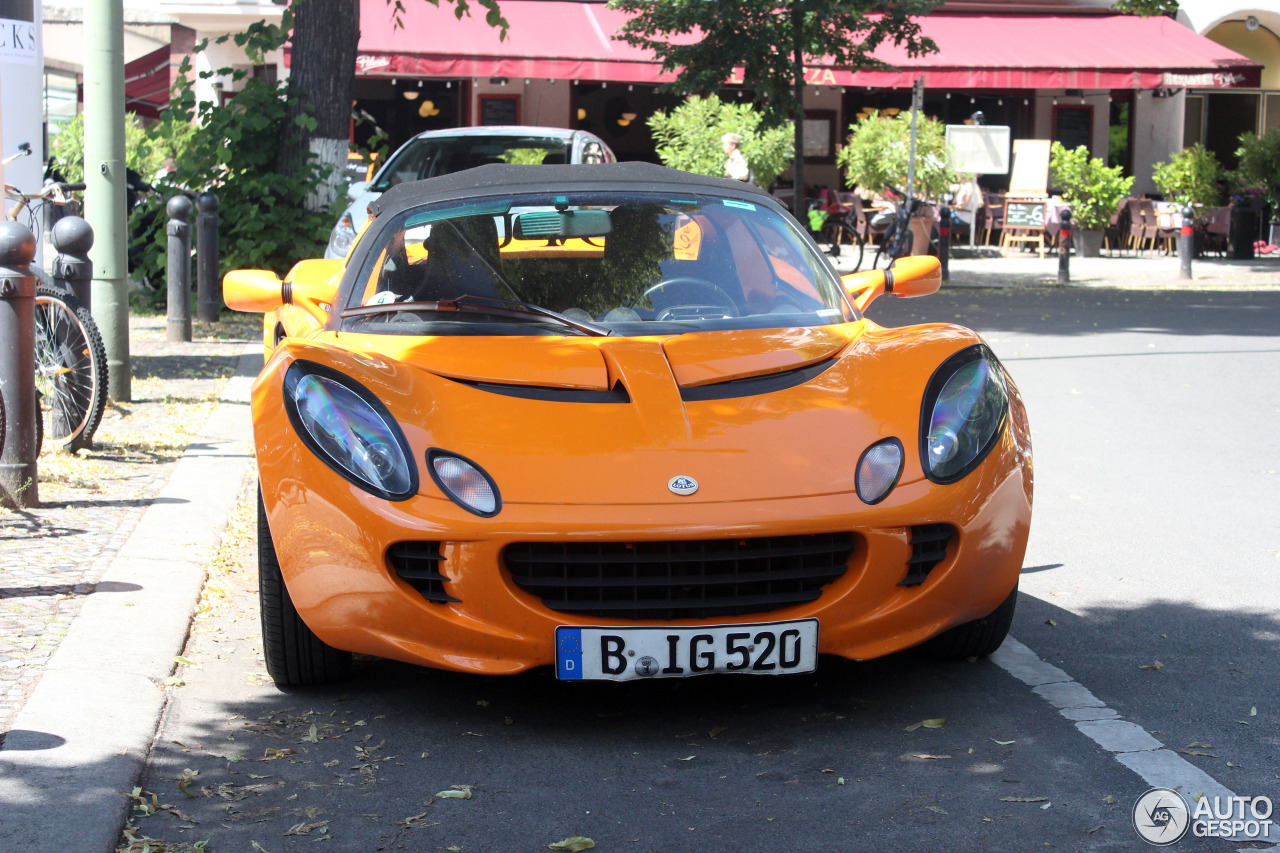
<point>720,298</point>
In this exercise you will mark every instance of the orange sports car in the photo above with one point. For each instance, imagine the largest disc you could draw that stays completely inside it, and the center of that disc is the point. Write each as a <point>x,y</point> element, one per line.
<point>626,422</point>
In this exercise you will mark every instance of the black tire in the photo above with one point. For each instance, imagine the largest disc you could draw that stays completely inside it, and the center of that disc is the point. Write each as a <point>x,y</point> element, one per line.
<point>978,638</point>
<point>843,242</point>
<point>295,656</point>
<point>71,367</point>
<point>885,250</point>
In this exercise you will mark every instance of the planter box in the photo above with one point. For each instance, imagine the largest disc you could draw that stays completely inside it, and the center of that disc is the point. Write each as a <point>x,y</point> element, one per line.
<point>1088,244</point>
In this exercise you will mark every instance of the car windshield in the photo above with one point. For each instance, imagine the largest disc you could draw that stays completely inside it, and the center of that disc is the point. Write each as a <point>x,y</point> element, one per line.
<point>426,158</point>
<point>592,263</point>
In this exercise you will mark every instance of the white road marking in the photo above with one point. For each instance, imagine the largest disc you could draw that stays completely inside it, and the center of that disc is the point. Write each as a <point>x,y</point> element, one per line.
<point>1132,746</point>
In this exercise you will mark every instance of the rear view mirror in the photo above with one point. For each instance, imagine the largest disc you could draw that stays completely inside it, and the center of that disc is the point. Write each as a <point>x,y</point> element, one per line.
<point>254,291</point>
<point>913,276</point>
<point>357,189</point>
<point>555,224</point>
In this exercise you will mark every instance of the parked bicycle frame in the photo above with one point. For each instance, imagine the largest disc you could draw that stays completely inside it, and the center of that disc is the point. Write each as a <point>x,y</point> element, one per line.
<point>70,358</point>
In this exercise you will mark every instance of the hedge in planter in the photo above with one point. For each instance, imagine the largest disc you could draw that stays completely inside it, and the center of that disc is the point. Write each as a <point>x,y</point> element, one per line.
<point>1092,188</point>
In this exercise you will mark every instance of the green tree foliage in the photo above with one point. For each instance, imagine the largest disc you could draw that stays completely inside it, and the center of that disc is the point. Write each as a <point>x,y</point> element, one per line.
<point>1260,164</point>
<point>1146,8</point>
<point>1192,176</point>
<point>145,151</point>
<point>704,42</point>
<point>877,155</point>
<point>1090,186</point>
<point>689,136</point>
<point>263,220</point>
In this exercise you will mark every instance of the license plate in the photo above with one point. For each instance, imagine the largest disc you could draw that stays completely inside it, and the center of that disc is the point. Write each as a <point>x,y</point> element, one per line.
<point>627,654</point>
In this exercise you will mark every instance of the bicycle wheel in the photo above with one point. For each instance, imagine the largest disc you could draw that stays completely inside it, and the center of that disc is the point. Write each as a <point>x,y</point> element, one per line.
<point>846,244</point>
<point>885,249</point>
<point>71,368</point>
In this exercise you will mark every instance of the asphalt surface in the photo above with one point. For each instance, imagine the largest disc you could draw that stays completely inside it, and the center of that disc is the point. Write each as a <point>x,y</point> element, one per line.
<point>1155,539</point>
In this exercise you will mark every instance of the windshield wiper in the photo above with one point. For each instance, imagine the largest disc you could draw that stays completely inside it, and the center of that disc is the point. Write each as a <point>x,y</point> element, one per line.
<point>480,305</point>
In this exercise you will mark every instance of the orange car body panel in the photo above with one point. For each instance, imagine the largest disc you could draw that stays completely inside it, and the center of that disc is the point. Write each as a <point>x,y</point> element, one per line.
<point>774,464</point>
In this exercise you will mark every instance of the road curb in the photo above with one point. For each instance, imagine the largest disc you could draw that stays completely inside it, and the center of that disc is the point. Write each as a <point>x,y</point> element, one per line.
<point>80,743</point>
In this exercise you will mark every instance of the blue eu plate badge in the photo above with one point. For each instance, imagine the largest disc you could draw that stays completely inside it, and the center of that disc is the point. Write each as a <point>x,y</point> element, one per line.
<point>569,653</point>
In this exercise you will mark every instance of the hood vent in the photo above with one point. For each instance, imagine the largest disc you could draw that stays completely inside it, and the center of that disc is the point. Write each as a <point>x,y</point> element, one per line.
<point>550,393</point>
<point>753,385</point>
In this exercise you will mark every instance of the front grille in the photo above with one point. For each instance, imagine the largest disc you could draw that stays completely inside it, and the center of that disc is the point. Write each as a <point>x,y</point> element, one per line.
<point>693,579</point>
<point>928,548</point>
<point>419,564</point>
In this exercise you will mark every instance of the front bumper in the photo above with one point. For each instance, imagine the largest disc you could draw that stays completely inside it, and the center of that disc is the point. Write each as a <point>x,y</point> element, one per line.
<point>332,540</point>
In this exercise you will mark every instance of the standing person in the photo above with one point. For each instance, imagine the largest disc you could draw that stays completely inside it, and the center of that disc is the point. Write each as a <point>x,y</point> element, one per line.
<point>736,166</point>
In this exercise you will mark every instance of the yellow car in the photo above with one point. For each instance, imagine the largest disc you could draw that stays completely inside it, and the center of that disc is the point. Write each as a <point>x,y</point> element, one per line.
<point>626,422</point>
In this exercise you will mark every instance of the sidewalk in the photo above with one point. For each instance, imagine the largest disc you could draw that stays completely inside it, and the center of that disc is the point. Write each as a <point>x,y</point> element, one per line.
<point>1157,272</point>
<point>100,581</point>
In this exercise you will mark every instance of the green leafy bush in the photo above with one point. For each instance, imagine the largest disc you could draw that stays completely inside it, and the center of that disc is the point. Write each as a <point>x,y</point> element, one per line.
<point>877,154</point>
<point>145,150</point>
<point>688,138</point>
<point>1260,164</point>
<point>1092,188</point>
<point>230,150</point>
<point>1192,176</point>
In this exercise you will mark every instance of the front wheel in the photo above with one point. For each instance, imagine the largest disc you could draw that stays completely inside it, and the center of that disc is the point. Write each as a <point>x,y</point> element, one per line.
<point>71,367</point>
<point>295,656</point>
<point>978,638</point>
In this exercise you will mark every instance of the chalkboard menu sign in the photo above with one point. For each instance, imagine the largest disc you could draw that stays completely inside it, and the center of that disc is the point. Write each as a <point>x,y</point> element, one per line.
<point>499,109</point>
<point>1073,126</point>
<point>1027,215</point>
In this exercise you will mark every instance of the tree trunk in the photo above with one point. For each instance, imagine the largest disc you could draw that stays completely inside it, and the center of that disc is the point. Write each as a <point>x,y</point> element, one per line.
<point>797,32</point>
<point>325,36</point>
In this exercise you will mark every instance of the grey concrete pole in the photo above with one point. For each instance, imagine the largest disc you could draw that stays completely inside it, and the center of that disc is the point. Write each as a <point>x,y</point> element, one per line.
<point>208,284</point>
<point>73,238</point>
<point>104,176</point>
<point>1064,248</point>
<point>19,484</point>
<point>179,231</point>
<point>944,241</point>
<point>1185,246</point>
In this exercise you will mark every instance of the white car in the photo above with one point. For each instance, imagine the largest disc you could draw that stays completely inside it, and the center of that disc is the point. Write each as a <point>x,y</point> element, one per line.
<point>439,152</point>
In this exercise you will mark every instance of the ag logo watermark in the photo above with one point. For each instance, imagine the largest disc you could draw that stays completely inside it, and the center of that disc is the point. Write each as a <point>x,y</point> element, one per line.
<point>1162,817</point>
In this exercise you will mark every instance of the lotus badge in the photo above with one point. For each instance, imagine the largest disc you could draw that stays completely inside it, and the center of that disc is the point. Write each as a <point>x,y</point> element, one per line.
<point>682,485</point>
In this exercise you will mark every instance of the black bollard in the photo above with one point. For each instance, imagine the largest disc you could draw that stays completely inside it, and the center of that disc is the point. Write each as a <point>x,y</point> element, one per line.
<point>179,231</point>
<point>1185,243</point>
<point>1064,248</point>
<point>73,238</point>
<point>944,242</point>
<point>208,284</point>
<point>19,485</point>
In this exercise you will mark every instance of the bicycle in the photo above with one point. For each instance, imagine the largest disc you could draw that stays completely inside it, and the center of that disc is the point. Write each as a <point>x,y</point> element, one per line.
<point>70,358</point>
<point>898,240</point>
<point>838,234</point>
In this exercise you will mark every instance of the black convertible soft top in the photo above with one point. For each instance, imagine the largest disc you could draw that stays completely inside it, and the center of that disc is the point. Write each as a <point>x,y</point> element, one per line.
<point>506,180</point>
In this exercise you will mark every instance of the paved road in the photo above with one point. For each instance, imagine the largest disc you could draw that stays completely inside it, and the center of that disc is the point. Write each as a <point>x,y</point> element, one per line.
<point>1155,538</point>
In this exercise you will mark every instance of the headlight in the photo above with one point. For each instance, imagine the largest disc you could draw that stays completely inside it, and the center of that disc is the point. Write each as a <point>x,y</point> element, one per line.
<point>964,411</point>
<point>341,238</point>
<point>879,470</point>
<point>344,424</point>
<point>465,482</point>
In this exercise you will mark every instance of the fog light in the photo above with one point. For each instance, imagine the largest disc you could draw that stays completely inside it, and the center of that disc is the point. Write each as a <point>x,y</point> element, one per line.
<point>464,482</point>
<point>879,470</point>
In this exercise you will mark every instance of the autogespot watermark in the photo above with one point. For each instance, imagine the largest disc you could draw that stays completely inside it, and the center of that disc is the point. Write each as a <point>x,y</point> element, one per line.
<point>1162,817</point>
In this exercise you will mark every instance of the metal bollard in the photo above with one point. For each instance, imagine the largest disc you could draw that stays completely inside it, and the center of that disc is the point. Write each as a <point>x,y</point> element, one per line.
<point>1064,248</point>
<point>179,231</point>
<point>19,484</point>
<point>1185,243</point>
<point>73,238</point>
<point>944,242</point>
<point>208,284</point>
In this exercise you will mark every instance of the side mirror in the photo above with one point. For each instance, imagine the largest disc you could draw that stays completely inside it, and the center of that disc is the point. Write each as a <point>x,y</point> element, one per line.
<point>914,276</point>
<point>357,189</point>
<point>253,291</point>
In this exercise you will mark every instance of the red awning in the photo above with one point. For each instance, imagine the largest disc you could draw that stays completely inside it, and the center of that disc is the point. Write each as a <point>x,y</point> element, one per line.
<point>572,41</point>
<point>146,83</point>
